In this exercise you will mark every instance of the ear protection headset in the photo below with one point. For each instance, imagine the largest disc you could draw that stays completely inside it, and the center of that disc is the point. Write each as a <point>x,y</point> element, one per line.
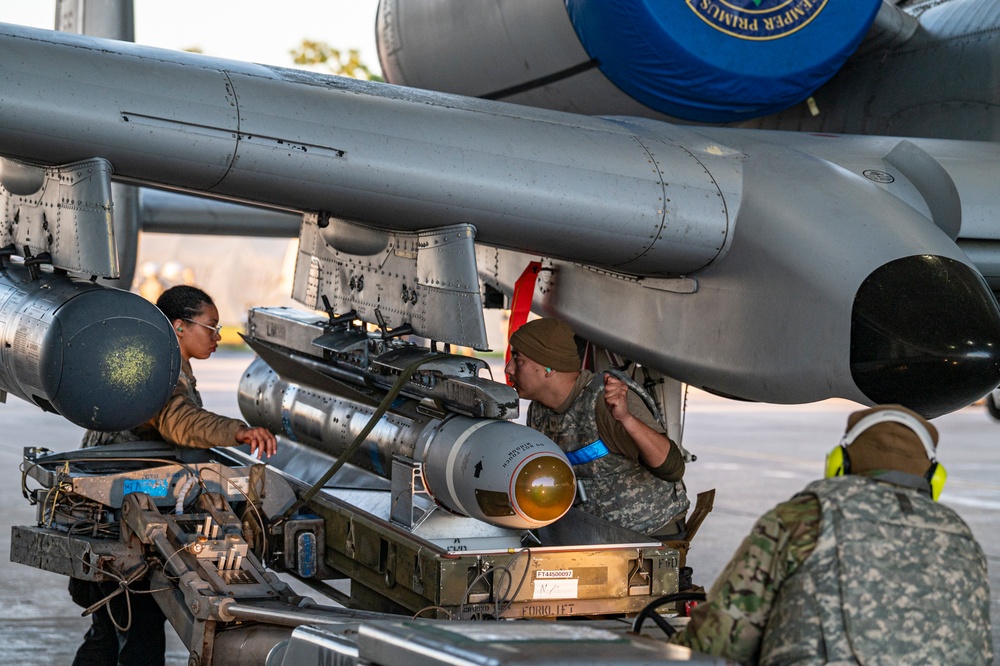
<point>838,461</point>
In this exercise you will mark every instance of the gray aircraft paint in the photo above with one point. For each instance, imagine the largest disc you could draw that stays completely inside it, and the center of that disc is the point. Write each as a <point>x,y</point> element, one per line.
<point>777,233</point>
<point>113,19</point>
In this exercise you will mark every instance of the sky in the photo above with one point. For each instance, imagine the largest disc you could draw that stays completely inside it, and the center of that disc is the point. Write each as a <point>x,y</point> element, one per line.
<point>252,30</point>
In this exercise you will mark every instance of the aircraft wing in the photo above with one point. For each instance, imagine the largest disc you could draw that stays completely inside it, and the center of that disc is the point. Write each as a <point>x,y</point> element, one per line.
<point>761,266</point>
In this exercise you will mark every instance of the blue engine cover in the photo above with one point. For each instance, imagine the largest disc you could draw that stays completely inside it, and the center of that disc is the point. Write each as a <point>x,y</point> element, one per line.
<point>720,60</point>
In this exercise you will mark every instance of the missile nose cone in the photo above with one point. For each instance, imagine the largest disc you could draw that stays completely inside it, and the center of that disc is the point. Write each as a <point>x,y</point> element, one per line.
<point>925,333</point>
<point>544,488</point>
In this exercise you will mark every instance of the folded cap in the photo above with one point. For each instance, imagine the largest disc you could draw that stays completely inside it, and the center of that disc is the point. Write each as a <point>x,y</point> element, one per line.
<point>548,342</point>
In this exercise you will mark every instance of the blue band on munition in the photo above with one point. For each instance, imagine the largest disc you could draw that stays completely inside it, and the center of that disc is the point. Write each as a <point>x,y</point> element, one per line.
<point>589,453</point>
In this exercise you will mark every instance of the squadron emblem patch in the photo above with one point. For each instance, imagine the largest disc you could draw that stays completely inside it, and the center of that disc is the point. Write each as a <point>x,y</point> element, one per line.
<point>757,19</point>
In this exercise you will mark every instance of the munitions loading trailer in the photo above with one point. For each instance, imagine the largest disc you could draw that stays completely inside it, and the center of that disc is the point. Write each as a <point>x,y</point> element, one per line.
<point>211,529</point>
<point>106,513</point>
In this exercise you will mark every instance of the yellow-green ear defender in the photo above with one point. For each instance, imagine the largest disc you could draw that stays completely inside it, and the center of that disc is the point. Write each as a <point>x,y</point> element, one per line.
<point>838,462</point>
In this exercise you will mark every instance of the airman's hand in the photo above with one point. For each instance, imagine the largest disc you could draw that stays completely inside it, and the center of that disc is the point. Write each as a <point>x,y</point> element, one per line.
<point>616,397</point>
<point>261,440</point>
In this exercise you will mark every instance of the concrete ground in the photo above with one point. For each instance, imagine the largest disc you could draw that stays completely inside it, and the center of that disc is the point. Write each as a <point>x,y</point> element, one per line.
<point>754,455</point>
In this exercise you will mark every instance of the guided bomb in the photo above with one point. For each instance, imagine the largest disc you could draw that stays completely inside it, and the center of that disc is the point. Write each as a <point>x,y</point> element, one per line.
<point>493,470</point>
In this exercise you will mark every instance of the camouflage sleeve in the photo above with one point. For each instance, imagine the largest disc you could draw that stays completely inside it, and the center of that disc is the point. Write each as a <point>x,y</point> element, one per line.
<point>672,468</point>
<point>731,622</point>
<point>183,422</point>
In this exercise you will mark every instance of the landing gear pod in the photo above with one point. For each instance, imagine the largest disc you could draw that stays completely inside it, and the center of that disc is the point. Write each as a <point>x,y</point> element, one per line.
<point>103,358</point>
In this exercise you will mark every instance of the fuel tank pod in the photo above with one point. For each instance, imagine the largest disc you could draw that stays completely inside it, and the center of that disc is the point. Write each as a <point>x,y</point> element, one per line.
<point>103,358</point>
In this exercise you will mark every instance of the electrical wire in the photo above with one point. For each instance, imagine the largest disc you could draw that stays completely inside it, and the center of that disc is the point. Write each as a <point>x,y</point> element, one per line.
<point>505,569</point>
<point>166,572</point>
<point>182,495</point>
<point>123,587</point>
<point>437,608</point>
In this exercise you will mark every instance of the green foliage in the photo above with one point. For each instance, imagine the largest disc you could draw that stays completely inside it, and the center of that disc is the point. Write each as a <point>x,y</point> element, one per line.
<point>338,62</point>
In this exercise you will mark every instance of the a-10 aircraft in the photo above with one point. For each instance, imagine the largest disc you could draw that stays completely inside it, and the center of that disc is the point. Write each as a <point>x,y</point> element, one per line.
<point>760,264</point>
<point>773,201</point>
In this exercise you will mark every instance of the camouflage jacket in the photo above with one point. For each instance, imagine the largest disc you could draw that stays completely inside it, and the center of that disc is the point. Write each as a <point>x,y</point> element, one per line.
<point>618,489</point>
<point>182,421</point>
<point>833,576</point>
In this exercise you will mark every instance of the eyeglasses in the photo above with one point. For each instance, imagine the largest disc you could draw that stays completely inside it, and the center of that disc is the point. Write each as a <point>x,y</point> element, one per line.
<point>217,330</point>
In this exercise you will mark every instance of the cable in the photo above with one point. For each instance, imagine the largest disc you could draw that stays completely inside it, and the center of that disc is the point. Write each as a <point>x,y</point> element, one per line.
<point>25,467</point>
<point>634,386</point>
<point>164,461</point>
<point>55,498</point>
<point>653,406</point>
<point>166,573</point>
<point>650,611</point>
<point>123,587</point>
<point>506,569</point>
<point>404,376</point>
<point>179,504</point>
<point>439,608</point>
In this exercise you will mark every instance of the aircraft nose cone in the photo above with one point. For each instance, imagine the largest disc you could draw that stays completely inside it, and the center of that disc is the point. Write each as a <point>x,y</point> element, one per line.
<point>925,333</point>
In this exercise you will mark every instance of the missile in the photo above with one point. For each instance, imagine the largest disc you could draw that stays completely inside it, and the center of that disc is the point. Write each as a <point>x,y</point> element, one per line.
<point>103,358</point>
<point>776,267</point>
<point>496,471</point>
<point>490,469</point>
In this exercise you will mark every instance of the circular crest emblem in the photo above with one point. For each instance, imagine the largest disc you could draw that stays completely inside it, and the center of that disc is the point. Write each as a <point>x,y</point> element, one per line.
<point>757,19</point>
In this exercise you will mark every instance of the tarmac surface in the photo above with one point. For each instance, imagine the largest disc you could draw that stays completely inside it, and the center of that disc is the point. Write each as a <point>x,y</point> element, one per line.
<point>755,456</point>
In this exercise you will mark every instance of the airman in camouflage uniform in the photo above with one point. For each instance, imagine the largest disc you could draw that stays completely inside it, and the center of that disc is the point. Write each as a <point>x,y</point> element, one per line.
<point>857,569</point>
<point>629,470</point>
